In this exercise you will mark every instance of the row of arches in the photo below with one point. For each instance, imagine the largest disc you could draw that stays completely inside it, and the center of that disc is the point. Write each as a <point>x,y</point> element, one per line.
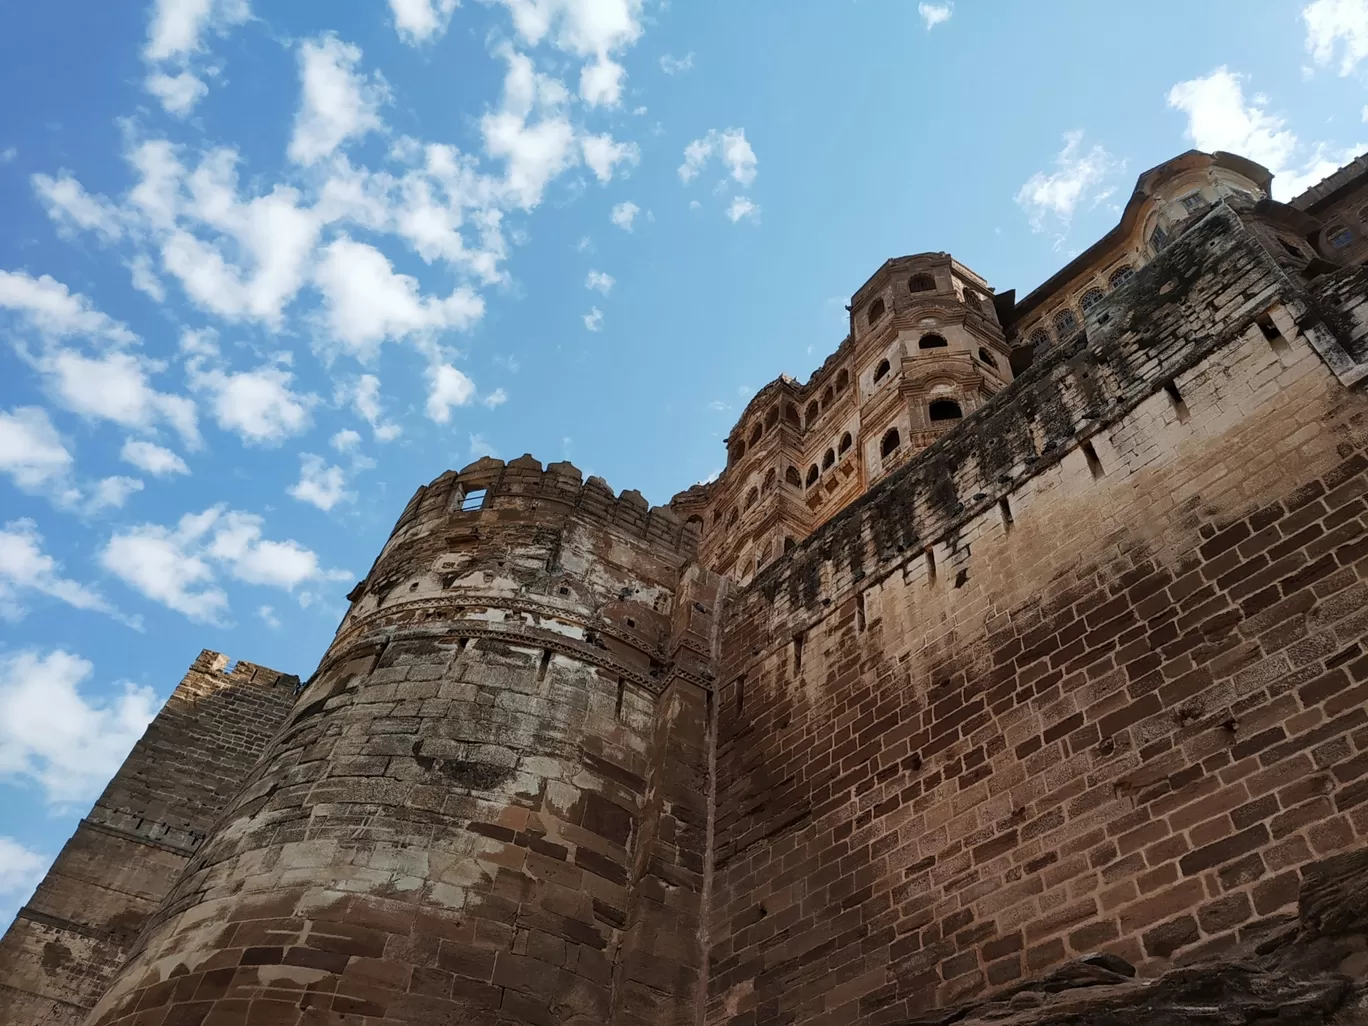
<point>829,460</point>
<point>1065,323</point>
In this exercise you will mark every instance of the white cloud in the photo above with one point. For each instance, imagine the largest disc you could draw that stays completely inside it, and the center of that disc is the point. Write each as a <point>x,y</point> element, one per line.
<point>338,104</point>
<point>115,387</point>
<point>8,154</point>
<point>598,281</point>
<point>258,405</point>
<point>112,493</point>
<point>603,155</point>
<point>364,395</point>
<point>67,203</point>
<point>447,387</point>
<point>742,207</point>
<point>31,451</point>
<point>593,320</point>
<point>495,398</point>
<point>345,440</point>
<point>730,146</point>
<point>52,735</point>
<point>479,446</point>
<point>592,30</point>
<point>49,307</point>
<point>152,458</point>
<point>624,214</point>
<point>1057,194</point>
<point>24,566</point>
<point>319,484</point>
<point>935,14</point>
<point>268,617</point>
<point>366,302</point>
<point>1220,118</point>
<point>1330,23</point>
<point>417,21</point>
<point>534,150</point>
<point>21,869</point>
<point>676,65</point>
<point>178,93</point>
<point>176,567</point>
<point>178,26</point>
<point>145,279</point>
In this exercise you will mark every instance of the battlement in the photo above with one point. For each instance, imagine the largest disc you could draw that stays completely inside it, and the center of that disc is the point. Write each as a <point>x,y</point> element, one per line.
<point>491,488</point>
<point>1216,284</point>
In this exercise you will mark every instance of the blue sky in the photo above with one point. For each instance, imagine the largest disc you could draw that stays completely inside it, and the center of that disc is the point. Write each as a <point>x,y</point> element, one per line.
<point>266,268</point>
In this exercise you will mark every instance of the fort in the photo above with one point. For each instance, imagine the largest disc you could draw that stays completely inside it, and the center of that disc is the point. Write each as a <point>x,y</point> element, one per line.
<point>1014,670</point>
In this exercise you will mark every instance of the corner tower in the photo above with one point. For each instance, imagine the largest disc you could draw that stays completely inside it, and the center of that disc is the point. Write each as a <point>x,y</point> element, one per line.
<point>925,350</point>
<point>490,802</point>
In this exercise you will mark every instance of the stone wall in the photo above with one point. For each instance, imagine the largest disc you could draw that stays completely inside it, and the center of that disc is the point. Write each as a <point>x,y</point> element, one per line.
<point>490,802</point>
<point>66,944</point>
<point>1088,674</point>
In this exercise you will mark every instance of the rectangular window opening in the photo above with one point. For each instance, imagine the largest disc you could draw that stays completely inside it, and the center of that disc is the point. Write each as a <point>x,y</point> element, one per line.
<point>545,662</point>
<point>1176,397</point>
<point>1005,507</point>
<point>1094,464</point>
<point>798,653</point>
<point>930,565</point>
<point>622,689</point>
<point>1271,332</point>
<point>473,499</point>
<point>860,612</point>
<point>740,694</point>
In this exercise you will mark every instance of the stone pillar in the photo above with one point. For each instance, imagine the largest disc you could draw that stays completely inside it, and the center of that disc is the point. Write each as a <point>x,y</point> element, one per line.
<point>449,826</point>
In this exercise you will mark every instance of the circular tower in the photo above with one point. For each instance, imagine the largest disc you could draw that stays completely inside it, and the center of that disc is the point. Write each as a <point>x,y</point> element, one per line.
<point>489,802</point>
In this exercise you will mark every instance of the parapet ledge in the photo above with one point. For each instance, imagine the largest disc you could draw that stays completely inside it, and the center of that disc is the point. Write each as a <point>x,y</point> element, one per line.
<point>524,483</point>
<point>1207,289</point>
<point>216,664</point>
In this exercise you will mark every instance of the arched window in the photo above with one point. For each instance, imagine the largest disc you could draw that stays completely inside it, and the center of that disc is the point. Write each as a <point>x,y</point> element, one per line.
<point>881,371</point>
<point>932,341</point>
<point>812,411</point>
<point>789,543</point>
<point>697,521</point>
<point>842,381</point>
<point>738,449</point>
<point>890,443</point>
<point>791,476</point>
<point>829,458</point>
<point>972,299</point>
<point>846,443</point>
<point>828,397</point>
<point>1065,324</point>
<point>946,409</point>
<point>1338,236</point>
<point>813,475</point>
<point>770,479</point>
<point>1091,298</point>
<point>1159,238</point>
<point>791,415</point>
<point>986,357</point>
<point>752,497</point>
<point>733,517</point>
<point>1039,340</point>
<point>921,283</point>
<point>717,518</point>
<point>876,310</point>
<point>1121,275</point>
<point>756,432</point>
<point>772,418</point>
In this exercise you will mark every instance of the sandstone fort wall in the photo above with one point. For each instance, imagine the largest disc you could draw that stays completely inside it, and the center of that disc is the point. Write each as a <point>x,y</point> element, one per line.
<point>1088,675</point>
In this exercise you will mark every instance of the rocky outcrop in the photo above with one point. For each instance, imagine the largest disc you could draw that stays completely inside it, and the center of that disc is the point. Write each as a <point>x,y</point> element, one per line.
<point>1309,971</point>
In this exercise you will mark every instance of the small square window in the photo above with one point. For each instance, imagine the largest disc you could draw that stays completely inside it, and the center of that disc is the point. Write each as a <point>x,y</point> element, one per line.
<point>1193,202</point>
<point>473,499</point>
